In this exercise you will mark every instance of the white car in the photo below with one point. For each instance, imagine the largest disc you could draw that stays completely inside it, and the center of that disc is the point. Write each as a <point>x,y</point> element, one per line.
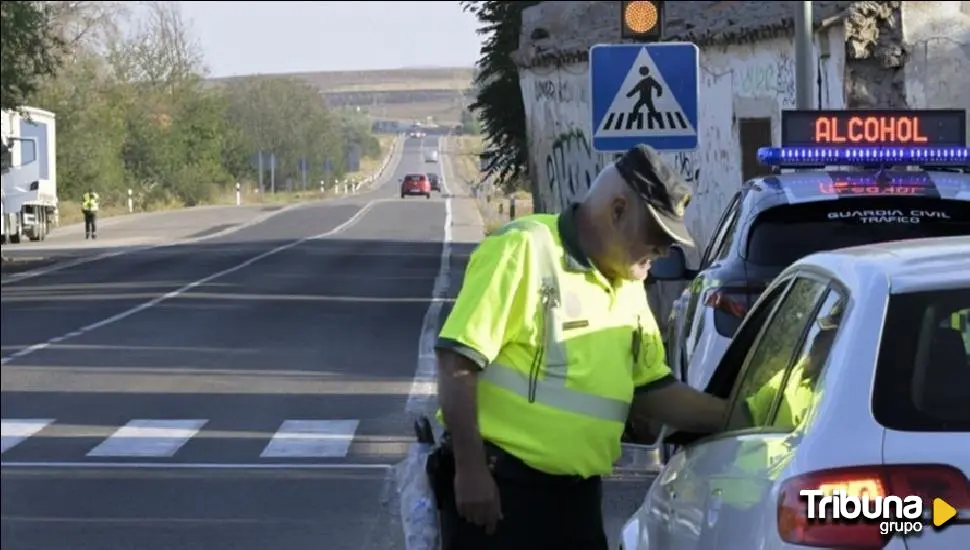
<point>871,346</point>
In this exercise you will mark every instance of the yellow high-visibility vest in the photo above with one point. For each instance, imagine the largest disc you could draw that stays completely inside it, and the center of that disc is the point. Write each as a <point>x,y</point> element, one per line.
<point>90,202</point>
<point>565,349</point>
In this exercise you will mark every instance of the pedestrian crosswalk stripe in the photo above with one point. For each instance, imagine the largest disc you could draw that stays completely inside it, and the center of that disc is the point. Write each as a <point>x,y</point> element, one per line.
<point>14,432</point>
<point>659,121</point>
<point>311,439</point>
<point>166,438</point>
<point>148,438</point>
<point>644,105</point>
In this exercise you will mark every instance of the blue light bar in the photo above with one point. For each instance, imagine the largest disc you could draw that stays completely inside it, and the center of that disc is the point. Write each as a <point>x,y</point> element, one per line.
<point>792,157</point>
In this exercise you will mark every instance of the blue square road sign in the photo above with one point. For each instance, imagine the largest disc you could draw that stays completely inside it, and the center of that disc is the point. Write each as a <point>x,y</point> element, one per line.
<point>644,93</point>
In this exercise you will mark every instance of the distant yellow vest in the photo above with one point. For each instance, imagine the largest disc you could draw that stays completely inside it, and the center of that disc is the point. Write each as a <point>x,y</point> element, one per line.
<point>561,407</point>
<point>90,202</point>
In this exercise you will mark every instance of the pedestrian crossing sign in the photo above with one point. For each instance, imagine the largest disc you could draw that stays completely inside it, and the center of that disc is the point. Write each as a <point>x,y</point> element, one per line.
<point>644,93</point>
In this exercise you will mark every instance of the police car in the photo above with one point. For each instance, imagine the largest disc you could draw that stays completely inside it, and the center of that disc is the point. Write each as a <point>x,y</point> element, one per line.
<point>848,378</point>
<point>899,175</point>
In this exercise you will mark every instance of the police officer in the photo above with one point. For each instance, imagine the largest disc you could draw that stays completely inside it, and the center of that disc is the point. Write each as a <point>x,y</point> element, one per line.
<point>549,352</point>
<point>90,203</point>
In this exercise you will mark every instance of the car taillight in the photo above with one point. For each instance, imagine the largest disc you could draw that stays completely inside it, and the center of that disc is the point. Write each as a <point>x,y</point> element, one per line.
<point>730,305</point>
<point>927,481</point>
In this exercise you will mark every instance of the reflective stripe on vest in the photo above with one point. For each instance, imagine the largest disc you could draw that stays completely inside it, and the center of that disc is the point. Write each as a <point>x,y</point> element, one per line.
<point>548,387</point>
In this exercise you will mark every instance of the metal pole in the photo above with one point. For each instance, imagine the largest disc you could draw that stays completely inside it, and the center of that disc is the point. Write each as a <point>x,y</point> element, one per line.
<point>804,64</point>
<point>272,172</point>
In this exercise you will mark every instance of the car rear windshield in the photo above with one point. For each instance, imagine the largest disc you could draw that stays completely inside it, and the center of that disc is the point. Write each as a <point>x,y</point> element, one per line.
<point>786,233</point>
<point>923,370</point>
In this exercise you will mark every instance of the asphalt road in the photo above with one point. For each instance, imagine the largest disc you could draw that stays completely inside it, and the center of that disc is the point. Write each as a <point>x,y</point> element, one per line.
<point>246,391</point>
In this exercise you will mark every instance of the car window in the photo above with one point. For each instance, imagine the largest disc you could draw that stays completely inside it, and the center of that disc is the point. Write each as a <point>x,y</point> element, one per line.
<point>923,370</point>
<point>785,233</point>
<point>802,381</point>
<point>768,359</point>
<point>724,248</point>
<point>722,226</point>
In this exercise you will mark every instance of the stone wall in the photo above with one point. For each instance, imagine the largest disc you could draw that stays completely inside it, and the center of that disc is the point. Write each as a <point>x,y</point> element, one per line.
<point>937,40</point>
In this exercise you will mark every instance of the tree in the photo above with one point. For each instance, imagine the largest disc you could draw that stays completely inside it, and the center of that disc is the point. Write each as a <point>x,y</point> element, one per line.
<point>135,112</point>
<point>28,50</point>
<point>499,103</point>
<point>285,117</point>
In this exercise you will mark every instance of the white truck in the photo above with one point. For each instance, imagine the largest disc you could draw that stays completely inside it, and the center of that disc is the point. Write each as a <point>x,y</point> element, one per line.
<point>29,191</point>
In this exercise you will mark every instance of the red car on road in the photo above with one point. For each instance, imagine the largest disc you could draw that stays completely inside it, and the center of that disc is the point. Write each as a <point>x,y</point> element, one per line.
<point>416,184</point>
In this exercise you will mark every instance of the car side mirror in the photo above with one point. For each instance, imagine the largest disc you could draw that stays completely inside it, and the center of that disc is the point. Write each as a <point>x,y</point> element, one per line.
<point>672,267</point>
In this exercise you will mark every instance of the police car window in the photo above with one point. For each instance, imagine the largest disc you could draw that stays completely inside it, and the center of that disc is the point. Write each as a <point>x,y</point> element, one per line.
<point>768,359</point>
<point>923,370</point>
<point>723,225</point>
<point>725,246</point>
<point>801,384</point>
<point>785,233</point>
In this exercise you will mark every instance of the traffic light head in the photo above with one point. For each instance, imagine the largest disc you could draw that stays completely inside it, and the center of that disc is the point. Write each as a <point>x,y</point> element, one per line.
<point>642,20</point>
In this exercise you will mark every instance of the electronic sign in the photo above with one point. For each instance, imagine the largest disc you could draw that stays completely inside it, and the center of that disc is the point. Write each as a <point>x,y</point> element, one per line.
<point>844,129</point>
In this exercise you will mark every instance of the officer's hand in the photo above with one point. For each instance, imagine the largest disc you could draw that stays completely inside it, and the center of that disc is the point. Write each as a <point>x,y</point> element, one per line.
<point>476,495</point>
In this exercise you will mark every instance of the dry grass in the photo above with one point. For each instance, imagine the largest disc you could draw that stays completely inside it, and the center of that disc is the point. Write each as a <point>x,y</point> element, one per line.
<point>70,211</point>
<point>390,80</point>
<point>496,207</point>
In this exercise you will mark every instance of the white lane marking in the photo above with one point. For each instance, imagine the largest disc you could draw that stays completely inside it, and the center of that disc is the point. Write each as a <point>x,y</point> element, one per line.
<point>178,292</point>
<point>424,385</point>
<point>16,277</point>
<point>194,466</point>
<point>148,438</point>
<point>311,439</point>
<point>32,274</point>
<point>15,432</point>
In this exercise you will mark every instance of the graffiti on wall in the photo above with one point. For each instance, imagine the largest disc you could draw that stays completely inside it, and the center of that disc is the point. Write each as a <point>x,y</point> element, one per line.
<point>559,90</point>
<point>571,166</point>
<point>776,77</point>
<point>688,167</point>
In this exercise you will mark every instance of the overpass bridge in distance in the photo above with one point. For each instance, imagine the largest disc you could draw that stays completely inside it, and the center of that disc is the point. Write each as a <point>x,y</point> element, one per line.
<point>391,97</point>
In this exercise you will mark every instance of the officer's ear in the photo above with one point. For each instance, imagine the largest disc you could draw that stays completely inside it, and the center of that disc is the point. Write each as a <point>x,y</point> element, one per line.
<point>619,206</point>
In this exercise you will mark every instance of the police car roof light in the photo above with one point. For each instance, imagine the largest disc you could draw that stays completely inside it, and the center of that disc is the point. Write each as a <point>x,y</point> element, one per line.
<point>793,157</point>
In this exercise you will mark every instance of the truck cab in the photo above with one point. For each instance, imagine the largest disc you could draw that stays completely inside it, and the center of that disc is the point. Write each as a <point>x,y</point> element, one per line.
<point>29,183</point>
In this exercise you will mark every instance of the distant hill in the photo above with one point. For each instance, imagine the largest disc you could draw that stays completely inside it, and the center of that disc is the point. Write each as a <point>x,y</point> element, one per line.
<point>393,94</point>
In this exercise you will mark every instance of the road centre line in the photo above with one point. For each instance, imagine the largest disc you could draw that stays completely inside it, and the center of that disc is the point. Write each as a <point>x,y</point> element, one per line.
<point>34,273</point>
<point>195,284</point>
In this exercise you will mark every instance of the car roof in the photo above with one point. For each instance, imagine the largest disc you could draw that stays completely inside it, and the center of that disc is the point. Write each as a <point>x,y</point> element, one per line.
<point>909,266</point>
<point>803,186</point>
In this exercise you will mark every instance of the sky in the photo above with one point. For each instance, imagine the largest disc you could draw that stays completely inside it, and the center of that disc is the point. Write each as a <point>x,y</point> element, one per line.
<point>280,37</point>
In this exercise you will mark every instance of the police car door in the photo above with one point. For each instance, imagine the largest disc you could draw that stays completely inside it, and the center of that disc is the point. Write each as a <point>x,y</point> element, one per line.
<point>693,317</point>
<point>716,500</point>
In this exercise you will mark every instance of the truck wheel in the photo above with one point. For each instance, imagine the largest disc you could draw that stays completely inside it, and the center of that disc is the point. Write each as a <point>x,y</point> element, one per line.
<point>403,195</point>
<point>15,238</point>
<point>427,195</point>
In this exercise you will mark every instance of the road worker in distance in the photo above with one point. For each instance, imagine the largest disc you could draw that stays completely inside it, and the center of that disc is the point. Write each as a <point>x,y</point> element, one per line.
<point>549,352</point>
